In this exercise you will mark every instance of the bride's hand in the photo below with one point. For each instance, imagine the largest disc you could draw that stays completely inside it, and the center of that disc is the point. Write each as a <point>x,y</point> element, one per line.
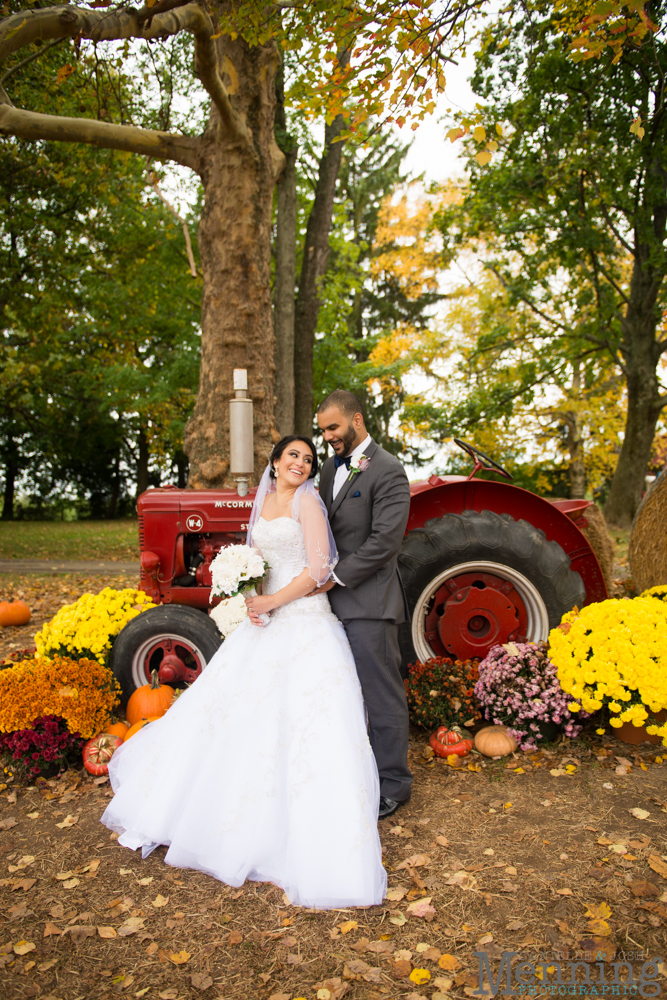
<point>258,605</point>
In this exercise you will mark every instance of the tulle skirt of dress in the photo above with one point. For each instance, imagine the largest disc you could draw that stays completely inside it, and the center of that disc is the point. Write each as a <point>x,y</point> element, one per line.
<point>262,770</point>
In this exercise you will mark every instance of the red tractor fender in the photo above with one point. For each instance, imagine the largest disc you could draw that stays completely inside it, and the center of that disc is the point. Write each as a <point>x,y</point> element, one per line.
<point>441,495</point>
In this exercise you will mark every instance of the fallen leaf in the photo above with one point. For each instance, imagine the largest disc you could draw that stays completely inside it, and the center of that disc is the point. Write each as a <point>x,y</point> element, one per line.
<point>8,823</point>
<point>564,892</point>
<point>449,962</point>
<point>414,861</point>
<point>442,840</point>
<point>372,976</point>
<point>24,883</point>
<point>485,939</point>
<point>23,947</point>
<point>180,957</point>
<point>201,981</point>
<point>642,888</point>
<point>379,947</point>
<point>26,860</point>
<point>67,822</point>
<point>45,966</point>
<point>401,968</point>
<point>71,883</point>
<point>79,933</point>
<point>235,937</point>
<point>398,918</point>
<point>516,925</point>
<point>145,881</point>
<point>130,926</point>
<point>168,995</point>
<point>639,813</point>
<point>347,926</point>
<point>356,967</point>
<point>462,879</point>
<point>599,927</point>
<point>109,932</point>
<point>396,893</point>
<point>601,949</point>
<point>420,976</point>
<point>159,901</point>
<point>19,911</point>
<point>558,772</point>
<point>597,911</point>
<point>657,864</point>
<point>51,929</point>
<point>422,908</point>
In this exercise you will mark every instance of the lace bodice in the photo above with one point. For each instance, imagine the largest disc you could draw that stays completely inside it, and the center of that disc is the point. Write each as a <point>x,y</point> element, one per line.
<point>281,543</point>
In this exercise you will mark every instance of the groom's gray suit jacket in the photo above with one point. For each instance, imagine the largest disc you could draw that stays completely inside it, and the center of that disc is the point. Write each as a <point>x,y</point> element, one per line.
<point>368,519</point>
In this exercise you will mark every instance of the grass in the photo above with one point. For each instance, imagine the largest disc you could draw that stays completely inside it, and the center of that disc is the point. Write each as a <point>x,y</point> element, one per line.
<point>109,540</point>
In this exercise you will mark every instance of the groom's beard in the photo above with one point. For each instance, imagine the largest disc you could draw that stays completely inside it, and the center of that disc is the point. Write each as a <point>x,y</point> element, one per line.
<point>348,440</point>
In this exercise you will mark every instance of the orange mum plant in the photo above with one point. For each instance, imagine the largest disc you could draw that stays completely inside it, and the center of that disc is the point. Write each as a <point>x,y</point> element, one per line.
<point>82,692</point>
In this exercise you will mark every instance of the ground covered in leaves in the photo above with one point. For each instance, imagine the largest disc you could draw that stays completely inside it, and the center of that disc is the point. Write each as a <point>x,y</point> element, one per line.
<point>559,852</point>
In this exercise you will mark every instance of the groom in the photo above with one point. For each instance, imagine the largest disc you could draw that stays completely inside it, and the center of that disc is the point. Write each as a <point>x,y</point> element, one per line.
<point>367,497</point>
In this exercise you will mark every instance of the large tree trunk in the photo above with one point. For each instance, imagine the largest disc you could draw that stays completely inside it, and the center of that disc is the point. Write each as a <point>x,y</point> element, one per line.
<point>235,244</point>
<point>641,354</point>
<point>315,254</point>
<point>285,279</point>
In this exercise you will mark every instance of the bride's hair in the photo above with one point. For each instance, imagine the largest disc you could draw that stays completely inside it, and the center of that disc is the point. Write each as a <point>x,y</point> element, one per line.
<point>279,448</point>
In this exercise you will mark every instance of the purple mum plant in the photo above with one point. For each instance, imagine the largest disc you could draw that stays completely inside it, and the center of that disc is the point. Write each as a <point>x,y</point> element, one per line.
<point>518,687</point>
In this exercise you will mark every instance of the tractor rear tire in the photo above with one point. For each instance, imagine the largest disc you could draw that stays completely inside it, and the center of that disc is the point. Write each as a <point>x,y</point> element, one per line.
<point>496,544</point>
<point>191,631</point>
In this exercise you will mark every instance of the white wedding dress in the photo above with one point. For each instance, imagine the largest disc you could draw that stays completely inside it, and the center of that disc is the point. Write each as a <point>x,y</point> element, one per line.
<point>263,770</point>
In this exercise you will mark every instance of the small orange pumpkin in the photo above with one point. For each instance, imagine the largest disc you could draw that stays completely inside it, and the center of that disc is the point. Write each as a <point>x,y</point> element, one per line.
<point>115,727</point>
<point>137,726</point>
<point>14,613</point>
<point>149,701</point>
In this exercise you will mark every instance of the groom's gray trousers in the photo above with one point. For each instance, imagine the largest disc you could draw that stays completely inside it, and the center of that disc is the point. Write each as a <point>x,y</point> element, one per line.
<point>368,518</point>
<point>376,652</point>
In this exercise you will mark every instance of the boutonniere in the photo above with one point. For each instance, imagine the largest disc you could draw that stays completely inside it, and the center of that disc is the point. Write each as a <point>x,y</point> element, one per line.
<point>359,464</point>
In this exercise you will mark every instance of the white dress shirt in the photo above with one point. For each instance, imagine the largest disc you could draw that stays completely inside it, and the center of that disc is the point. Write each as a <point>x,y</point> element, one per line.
<point>342,474</point>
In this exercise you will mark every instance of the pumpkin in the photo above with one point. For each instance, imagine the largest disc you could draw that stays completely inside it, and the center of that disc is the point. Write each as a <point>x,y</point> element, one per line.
<point>115,727</point>
<point>139,725</point>
<point>14,613</point>
<point>495,741</point>
<point>149,701</point>
<point>446,741</point>
<point>98,752</point>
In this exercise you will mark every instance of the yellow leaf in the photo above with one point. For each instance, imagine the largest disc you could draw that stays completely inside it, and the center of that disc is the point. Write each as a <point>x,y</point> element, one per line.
<point>107,932</point>
<point>657,865</point>
<point>636,127</point>
<point>479,134</point>
<point>519,770</point>
<point>598,911</point>
<point>63,73</point>
<point>420,976</point>
<point>180,957</point>
<point>600,927</point>
<point>347,926</point>
<point>23,947</point>
<point>159,901</point>
<point>483,158</point>
<point>499,129</point>
<point>455,133</point>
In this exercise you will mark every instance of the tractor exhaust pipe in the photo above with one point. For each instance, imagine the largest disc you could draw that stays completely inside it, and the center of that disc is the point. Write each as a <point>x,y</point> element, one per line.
<point>241,459</point>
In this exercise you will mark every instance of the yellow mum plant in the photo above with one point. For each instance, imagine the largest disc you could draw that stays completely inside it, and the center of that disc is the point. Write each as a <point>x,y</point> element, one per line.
<point>88,627</point>
<point>614,654</point>
<point>83,692</point>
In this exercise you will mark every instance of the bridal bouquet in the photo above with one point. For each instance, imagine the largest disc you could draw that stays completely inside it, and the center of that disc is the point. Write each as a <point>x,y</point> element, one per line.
<point>235,571</point>
<point>236,568</point>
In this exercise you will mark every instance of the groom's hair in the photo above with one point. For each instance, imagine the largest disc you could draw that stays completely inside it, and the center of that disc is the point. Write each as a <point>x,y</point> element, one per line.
<point>347,403</point>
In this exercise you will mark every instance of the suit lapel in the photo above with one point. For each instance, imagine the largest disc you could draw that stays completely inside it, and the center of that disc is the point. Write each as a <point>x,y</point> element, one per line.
<point>342,493</point>
<point>326,483</point>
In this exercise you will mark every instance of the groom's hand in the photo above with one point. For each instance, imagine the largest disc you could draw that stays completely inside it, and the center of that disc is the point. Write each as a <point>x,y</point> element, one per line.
<point>323,589</point>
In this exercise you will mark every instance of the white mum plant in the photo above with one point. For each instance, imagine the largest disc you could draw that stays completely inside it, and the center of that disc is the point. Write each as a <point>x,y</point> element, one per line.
<point>229,614</point>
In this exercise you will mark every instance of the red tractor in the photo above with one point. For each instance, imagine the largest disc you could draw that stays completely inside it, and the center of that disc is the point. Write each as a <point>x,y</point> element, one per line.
<point>482,563</point>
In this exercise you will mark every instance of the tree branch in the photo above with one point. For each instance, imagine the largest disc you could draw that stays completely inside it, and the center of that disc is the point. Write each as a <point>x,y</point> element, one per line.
<point>147,142</point>
<point>30,58</point>
<point>102,25</point>
<point>186,232</point>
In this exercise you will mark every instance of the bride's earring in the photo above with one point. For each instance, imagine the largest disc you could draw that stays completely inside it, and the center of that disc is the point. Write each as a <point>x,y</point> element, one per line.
<point>275,471</point>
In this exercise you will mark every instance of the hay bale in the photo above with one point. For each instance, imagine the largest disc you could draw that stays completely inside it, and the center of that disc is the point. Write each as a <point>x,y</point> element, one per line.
<point>600,541</point>
<point>647,551</point>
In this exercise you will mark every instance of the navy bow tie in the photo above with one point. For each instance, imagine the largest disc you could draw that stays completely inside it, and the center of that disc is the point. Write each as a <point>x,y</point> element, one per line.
<point>338,461</point>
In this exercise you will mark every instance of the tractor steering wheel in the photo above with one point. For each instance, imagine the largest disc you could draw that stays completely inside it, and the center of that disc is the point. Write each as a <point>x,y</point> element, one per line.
<point>491,466</point>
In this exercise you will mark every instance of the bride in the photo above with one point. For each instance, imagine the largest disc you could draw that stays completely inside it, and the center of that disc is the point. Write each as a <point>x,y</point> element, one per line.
<point>263,769</point>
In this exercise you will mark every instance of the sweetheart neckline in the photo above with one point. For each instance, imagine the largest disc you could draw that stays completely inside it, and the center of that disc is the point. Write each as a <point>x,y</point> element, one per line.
<point>283,517</point>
